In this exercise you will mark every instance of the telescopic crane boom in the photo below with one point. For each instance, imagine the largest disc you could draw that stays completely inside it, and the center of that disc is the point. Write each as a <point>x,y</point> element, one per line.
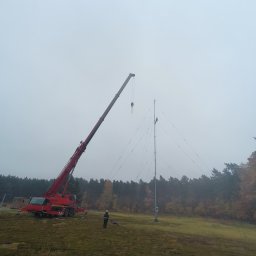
<point>52,201</point>
<point>69,167</point>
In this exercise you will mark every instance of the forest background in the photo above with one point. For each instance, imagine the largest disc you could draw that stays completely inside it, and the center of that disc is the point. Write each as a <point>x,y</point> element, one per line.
<point>230,193</point>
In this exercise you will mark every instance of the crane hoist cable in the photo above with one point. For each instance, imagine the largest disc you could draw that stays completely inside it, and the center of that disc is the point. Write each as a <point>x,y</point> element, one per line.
<point>132,95</point>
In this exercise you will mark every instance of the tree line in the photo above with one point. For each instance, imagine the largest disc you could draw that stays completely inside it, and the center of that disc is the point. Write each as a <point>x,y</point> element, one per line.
<point>230,193</point>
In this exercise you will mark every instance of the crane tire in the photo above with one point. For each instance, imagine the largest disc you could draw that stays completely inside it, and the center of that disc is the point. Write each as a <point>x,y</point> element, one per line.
<point>66,212</point>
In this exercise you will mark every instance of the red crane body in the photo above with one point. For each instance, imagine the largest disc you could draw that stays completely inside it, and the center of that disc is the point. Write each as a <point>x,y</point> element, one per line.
<point>59,203</point>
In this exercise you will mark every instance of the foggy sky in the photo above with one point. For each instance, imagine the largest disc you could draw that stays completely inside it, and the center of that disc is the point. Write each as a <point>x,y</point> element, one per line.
<point>61,63</point>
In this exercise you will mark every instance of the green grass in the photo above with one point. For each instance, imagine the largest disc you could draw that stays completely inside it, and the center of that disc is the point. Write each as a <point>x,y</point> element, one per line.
<point>135,235</point>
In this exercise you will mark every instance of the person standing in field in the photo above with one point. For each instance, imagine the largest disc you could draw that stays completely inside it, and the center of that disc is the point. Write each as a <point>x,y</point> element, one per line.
<point>105,219</point>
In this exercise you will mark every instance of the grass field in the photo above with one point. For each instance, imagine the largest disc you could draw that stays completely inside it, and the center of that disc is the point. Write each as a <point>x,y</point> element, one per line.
<point>135,235</point>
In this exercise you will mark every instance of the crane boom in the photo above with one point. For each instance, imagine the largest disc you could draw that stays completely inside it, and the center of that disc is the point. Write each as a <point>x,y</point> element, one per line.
<point>69,167</point>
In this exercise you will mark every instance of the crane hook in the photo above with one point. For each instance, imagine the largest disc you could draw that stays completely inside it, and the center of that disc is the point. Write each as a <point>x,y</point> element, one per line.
<point>132,105</point>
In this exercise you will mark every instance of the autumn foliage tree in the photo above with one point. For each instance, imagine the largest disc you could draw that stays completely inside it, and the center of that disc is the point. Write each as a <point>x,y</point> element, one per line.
<point>247,200</point>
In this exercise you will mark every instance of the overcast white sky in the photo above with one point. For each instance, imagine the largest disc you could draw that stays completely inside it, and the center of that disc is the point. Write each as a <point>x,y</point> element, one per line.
<point>61,63</point>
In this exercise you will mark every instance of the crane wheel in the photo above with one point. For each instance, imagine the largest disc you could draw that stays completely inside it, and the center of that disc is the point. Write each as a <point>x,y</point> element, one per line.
<point>66,213</point>
<point>71,212</point>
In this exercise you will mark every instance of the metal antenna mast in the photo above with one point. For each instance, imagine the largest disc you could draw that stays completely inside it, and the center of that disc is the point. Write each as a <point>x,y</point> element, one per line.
<point>155,121</point>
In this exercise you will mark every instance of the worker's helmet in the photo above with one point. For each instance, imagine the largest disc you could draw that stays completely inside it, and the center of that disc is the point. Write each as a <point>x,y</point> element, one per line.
<point>106,211</point>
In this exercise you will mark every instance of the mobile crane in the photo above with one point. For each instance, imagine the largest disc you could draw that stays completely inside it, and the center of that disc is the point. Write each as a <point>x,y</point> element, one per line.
<point>57,201</point>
